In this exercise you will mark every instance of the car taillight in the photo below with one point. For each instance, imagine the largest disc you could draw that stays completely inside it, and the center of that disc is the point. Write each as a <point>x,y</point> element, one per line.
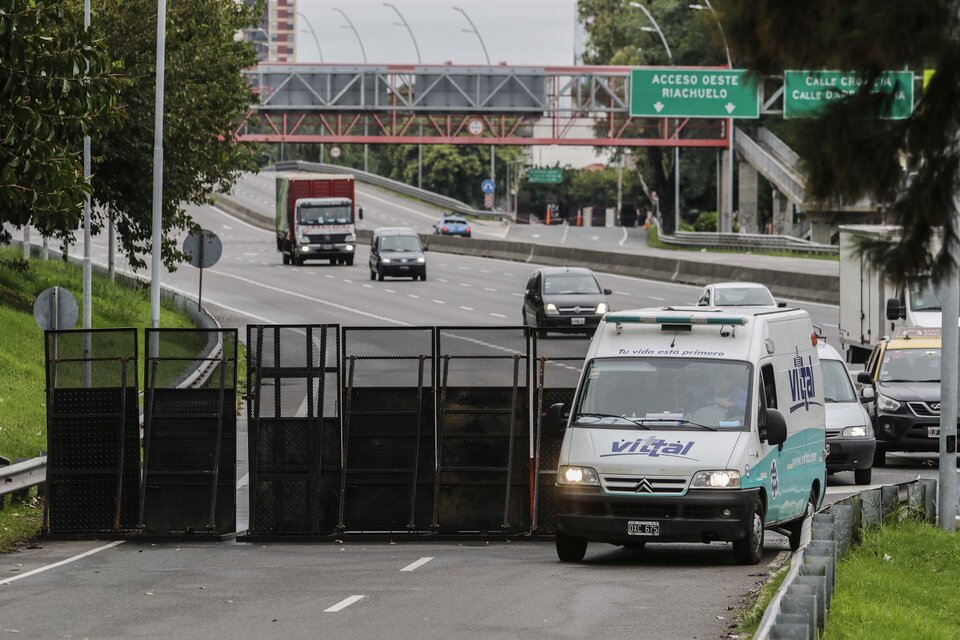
<point>445,229</point>
<point>468,229</point>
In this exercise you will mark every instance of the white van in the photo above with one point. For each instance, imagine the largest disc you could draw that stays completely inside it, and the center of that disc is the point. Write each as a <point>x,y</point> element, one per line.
<point>692,424</point>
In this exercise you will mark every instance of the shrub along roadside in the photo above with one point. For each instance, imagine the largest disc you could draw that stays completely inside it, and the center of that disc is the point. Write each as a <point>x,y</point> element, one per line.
<point>900,582</point>
<point>22,399</point>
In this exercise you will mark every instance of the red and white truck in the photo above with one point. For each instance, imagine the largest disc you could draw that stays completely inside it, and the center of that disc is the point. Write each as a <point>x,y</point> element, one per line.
<point>315,217</point>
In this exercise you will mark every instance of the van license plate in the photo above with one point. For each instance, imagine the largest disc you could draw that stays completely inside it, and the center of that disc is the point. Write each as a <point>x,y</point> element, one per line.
<point>933,432</point>
<point>326,247</point>
<point>643,528</point>
<point>577,320</point>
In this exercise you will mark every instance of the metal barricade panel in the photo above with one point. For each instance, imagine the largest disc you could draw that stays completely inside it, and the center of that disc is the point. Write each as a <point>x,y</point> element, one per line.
<point>294,436</point>
<point>93,433</point>
<point>190,427</point>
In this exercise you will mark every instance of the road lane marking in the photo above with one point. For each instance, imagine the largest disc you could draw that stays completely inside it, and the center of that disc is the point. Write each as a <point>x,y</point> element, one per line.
<point>465,284</point>
<point>368,286</point>
<point>467,308</point>
<point>343,604</point>
<point>656,298</point>
<point>327,275</point>
<point>441,280</point>
<point>563,238</point>
<point>440,302</point>
<point>413,295</point>
<point>490,289</point>
<point>79,556</point>
<point>624,236</point>
<point>389,290</point>
<point>416,565</point>
<point>497,315</point>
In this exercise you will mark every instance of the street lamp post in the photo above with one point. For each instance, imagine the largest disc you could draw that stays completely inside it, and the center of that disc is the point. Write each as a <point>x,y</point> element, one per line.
<point>314,34</point>
<point>724,224</point>
<point>473,30</point>
<point>157,222</point>
<point>403,23</point>
<point>363,52</point>
<point>676,149</point>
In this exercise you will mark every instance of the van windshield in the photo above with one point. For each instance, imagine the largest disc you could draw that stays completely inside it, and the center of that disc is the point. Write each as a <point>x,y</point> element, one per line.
<point>836,382</point>
<point>665,393</point>
<point>313,214</point>
<point>400,243</point>
<point>922,295</point>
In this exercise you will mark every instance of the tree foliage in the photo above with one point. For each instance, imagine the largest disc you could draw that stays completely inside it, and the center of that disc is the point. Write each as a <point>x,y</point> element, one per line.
<point>55,87</point>
<point>203,97</point>
<point>912,164</point>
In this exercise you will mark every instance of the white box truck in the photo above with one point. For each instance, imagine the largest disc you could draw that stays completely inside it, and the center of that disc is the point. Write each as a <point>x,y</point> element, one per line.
<point>871,305</point>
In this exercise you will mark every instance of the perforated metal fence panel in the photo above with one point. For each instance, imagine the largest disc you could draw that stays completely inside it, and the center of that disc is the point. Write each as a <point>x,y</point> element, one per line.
<point>389,426</point>
<point>294,438</point>
<point>190,431</point>
<point>482,430</point>
<point>93,432</point>
<point>557,362</point>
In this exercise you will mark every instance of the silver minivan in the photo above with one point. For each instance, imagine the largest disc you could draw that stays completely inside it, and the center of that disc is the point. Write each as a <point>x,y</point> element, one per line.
<point>849,439</point>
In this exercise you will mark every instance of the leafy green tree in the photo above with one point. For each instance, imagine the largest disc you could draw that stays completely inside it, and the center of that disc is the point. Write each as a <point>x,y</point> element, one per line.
<point>55,87</point>
<point>204,96</point>
<point>848,152</point>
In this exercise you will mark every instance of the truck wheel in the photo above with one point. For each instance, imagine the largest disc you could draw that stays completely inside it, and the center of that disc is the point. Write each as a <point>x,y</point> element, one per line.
<point>333,261</point>
<point>795,528</point>
<point>298,260</point>
<point>350,261</point>
<point>286,259</point>
<point>570,548</point>
<point>748,550</point>
<point>862,476</point>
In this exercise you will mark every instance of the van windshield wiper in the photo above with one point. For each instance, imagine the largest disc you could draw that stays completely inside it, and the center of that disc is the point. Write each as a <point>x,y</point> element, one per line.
<point>638,422</point>
<point>682,421</point>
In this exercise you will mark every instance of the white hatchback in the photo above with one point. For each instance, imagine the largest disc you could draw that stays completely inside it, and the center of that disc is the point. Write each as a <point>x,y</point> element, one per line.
<point>737,294</point>
<point>850,440</point>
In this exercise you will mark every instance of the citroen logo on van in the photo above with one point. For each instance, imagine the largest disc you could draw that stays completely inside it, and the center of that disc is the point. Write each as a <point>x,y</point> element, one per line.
<point>576,309</point>
<point>644,486</point>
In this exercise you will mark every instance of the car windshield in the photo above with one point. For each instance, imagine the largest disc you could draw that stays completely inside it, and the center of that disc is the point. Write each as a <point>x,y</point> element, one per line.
<point>570,283</point>
<point>743,297</point>
<point>314,214</point>
<point>836,382</point>
<point>453,221</point>
<point>665,393</point>
<point>910,365</point>
<point>400,243</point>
<point>922,295</point>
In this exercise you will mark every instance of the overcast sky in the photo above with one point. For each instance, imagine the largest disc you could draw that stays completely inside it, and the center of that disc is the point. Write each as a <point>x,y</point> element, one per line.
<point>537,32</point>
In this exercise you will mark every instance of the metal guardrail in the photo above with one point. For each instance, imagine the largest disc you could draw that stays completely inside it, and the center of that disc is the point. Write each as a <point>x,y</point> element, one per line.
<point>749,241</point>
<point>393,185</point>
<point>23,475</point>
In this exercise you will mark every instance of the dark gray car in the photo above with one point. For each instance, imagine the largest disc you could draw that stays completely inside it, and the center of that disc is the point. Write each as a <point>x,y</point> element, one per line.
<point>397,252</point>
<point>564,298</point>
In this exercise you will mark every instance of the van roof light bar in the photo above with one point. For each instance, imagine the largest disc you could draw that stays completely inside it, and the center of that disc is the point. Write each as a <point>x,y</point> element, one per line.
<point>691,319</point>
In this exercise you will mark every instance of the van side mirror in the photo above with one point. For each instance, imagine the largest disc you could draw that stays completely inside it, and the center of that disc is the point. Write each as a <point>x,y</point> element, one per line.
<point>776,428</point>
<point>781,305</point>
<point>894,310</point>
<point>553,421</point>
<point>867,394</point>
<point>865,378</point>
<point>360,213</point>
<point>607,292</point>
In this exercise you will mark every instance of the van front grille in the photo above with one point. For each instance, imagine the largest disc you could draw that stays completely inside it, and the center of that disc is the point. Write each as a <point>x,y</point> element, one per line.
<point>644,484</point>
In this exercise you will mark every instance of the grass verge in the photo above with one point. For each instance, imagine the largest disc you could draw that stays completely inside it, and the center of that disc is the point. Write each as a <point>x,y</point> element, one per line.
<point>900,583</point>
<point>22,385</point>
<point>750,617</point>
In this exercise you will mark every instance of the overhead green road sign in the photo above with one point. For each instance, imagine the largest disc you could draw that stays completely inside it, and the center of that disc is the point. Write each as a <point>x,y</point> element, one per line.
<point>545,176</point>
<point>807,93</point>
<point>675,92</point>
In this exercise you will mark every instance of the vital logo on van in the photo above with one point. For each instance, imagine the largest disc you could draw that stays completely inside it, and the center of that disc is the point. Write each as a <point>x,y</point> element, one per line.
<point>802,387</point>
<point>652,447</point>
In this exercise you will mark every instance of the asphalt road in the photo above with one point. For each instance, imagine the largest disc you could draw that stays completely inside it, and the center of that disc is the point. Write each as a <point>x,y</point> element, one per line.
<point>231,590</point>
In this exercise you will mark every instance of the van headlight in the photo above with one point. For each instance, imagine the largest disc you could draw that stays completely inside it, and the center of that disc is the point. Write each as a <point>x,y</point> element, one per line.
<point>854,432</point>
<point>350,238</point>
<point>577,475</point>
<point>302,239</point>
<point>887,404</point>
<point>551,309</point>
<point>601,308</point>
<point>421,259</point>
<point>386,260</point>
<point>720,479</point>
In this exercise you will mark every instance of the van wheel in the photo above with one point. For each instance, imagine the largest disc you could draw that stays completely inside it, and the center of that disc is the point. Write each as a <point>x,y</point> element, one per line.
<point>749,549</point>
<point>423,276</point>
<point>350,261</point>
<point>570,548</point>
<point>862,476</point>
<point>373,274</point>
<point>286,258</point>
<point>796,527</point>
<point>297,260</point>
<point>379,274</point>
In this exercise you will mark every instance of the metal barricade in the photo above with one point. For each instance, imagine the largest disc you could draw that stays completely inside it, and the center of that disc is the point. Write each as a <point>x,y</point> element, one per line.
<point>93,432</point>
<point>190,432</point>
<point>294,437</point>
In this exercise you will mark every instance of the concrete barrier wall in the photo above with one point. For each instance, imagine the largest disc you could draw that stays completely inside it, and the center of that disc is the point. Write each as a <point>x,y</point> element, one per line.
<point>787,284</point>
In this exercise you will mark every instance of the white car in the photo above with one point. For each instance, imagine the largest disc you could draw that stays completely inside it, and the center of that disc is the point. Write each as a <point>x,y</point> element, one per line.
<point>850,442</point>
<point>737,294</point>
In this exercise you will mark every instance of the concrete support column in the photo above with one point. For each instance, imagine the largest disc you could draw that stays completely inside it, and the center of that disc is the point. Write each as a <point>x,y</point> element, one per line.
<point>723,211</point>
<point>821,229</point>
<point>782,214</point>
<point>747,213</point>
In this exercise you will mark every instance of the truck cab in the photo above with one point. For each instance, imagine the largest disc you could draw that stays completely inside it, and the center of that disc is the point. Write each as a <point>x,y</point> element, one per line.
<point>315,218</point>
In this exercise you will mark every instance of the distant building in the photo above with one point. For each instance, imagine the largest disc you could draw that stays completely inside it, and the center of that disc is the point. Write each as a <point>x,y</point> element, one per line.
<point>276,37</point>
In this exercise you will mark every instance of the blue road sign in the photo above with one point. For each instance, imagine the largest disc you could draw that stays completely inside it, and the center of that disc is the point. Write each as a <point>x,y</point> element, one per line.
<point>487,186</point>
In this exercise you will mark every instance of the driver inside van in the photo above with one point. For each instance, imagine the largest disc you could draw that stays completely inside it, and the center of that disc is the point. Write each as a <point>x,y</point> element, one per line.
<point>723,403</point>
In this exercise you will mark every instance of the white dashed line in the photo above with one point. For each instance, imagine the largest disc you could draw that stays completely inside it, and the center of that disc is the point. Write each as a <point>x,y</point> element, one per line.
<point>412,295</point>
<point>658,298</point>
<point>61,563</point>
<point>441,280</point>
<point>624,236</point>
<point>348,281</point>
<point>389,290</point>
<point>416,565</point>
<point>467,308</point>
<point>519,295</point>
<point>497,315</point>
<point>327,275</point>
<point>490,289</point>
<point>484,270</point>
<point>368,286</point>
<point>465,284</point>
<point>440,302</point>
<point>343,604</point>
